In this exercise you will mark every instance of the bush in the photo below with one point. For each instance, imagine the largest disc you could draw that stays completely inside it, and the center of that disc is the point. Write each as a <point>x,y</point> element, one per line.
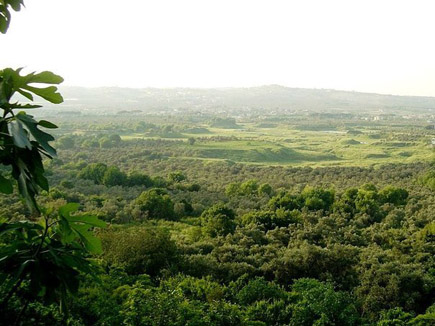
<point>156,203</point>
<point>218,220</point>
<point>94,172</point>
<point>318,304</point>
<point>393,195</point>
<point>114,177</point>
<point>139,250</point>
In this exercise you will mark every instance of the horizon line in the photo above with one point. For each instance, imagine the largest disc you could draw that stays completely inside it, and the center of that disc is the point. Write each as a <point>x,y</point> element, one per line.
<point>242,87</point>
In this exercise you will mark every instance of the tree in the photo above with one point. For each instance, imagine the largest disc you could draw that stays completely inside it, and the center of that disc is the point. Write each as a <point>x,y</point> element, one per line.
<point>428,179</point>
<point>286,201</point>
<point>115,138</point>
<point>191,141</point>
<point>394,317</point>
<point>94,172</point>
<point>318,304</point>
<point>156,203</point>
<point>138,179</point>
<point>176,177</point>
<point>106,143</point>
<point>139,250</point>
<point>388,280</point>
<point>249,188</point>
<point>259,289</point>
<point>367,200</point>
<point>114,177</point>
<point>393,195</point>
<point>271,219</point>
<point>232,189</point>
<point>218,220</point>
<point>65,142</point>
<point>317,198</point>
<point>265,189</point>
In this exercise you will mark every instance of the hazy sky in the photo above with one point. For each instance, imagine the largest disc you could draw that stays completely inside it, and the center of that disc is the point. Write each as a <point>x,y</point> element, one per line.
<point>376,46</point>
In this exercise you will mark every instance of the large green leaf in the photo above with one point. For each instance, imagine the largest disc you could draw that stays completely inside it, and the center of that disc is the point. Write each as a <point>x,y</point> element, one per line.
<point>26,188</point>
<point>15,4</point>
<point>5,15</point>
<point>40,179</point>
<point>25,85</point>
<point>80,226</point>
<point>19,135</point>
<point>27,95</point>
<point>5,18</point>
<point>40,136</point>
<point>22,106</point>
<point>67,209</point>
<point>91,242</point>
<point>28,171</point>
<point>66,233</point>
<point>87,219</point>
<point>22,225</point>
<point>47,124</point>
<point>47,93</point>
<point>45,77</point>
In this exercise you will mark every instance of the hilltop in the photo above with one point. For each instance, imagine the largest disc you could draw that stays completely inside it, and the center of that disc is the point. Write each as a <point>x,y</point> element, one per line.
<point>272,98</point>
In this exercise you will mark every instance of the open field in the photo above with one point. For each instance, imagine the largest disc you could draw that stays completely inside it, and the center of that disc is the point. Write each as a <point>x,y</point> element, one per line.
<point>289,145</point>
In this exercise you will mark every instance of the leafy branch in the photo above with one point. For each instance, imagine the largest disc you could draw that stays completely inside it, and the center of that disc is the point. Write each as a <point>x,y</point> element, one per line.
<point>22,142</point>
<point>38,259</point>
<point>50,255</point>
<point>43,259</point>
<point>5,14</point>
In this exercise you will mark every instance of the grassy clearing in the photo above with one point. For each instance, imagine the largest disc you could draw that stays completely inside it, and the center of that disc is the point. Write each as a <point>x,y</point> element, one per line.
<point>282,144</point>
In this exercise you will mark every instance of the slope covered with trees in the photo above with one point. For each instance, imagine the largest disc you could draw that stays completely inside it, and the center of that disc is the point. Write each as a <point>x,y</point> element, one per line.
<point>197,243</point>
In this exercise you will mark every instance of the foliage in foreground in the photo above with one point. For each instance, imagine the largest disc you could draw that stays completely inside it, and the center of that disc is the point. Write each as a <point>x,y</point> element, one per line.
<point>41,258</point>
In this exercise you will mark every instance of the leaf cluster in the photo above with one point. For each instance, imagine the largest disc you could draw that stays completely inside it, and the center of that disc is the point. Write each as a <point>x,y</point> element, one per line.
<point>48,256</point>
<point>22,142</point>
<point>5,12</point>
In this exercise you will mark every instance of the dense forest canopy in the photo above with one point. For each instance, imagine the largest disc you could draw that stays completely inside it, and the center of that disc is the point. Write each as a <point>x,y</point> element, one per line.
<point>224,207</point>
<point>195,239</point>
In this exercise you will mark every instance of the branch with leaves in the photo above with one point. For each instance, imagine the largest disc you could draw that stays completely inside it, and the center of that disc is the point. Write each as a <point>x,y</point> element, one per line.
<point>49,255</point>
<point>5,12</point>
<point>42,259</point>
<point>22,142</point>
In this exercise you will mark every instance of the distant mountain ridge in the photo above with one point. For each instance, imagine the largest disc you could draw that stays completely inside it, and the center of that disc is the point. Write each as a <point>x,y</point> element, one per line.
<point>272,97</point>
